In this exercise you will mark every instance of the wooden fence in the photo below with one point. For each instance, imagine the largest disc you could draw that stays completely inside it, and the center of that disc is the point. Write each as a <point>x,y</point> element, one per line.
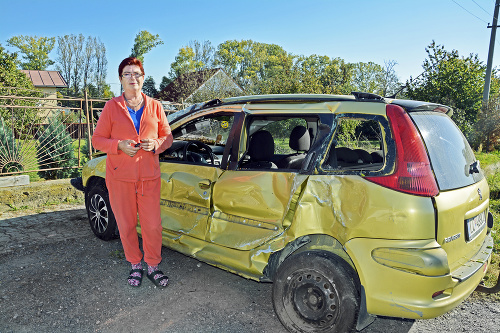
<point>48,135</point>
<point>45,135</point>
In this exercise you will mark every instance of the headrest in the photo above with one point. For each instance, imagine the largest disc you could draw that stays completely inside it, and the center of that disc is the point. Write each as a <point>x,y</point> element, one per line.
<point>261,146</point>
<point>300,140</point>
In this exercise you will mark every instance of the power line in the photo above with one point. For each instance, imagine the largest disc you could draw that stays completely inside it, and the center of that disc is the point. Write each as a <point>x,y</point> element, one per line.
<point>469,11</point>
<point>484,10</point>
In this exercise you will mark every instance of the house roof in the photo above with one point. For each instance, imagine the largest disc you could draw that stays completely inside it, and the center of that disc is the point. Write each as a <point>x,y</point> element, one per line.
<point>186,84</point>
<point>49,79</point>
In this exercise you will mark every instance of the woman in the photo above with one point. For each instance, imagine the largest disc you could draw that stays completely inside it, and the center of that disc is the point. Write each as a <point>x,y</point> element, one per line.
<point>133,130</point>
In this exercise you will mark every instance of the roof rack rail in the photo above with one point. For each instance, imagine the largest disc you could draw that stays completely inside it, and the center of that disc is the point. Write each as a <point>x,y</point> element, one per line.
<point>364,96</point>
<point>213,102</point>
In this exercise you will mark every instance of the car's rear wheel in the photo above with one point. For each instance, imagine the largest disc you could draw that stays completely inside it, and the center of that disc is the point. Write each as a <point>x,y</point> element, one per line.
<point>316,292</point>
<point>101,218</point>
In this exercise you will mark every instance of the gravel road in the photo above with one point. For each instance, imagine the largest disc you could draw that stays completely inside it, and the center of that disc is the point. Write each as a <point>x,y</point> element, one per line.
<point>55,276</point>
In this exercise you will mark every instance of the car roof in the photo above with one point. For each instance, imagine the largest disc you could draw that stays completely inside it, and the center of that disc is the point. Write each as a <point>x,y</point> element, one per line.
<point>408,105</point>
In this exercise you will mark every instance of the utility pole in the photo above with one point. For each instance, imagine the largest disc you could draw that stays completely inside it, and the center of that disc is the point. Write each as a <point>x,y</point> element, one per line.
<point>487,80</point>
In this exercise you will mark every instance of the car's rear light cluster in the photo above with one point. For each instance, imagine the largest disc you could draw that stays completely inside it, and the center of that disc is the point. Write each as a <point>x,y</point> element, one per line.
<point>413,172</point>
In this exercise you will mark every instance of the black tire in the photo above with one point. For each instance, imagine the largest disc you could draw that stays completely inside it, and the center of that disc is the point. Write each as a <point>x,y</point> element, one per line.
<point>316,292</point>
<point>101,218</point>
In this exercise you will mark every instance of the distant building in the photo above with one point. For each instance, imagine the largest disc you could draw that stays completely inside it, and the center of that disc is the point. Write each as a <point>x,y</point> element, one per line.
<point>200,86</point>
<point>47,82</point>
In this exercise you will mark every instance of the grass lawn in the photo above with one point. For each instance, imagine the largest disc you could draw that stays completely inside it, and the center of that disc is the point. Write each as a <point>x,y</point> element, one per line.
<point>490,163</point>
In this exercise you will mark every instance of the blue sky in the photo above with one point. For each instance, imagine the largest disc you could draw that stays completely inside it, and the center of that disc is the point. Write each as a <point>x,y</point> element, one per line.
<point>355,30</point>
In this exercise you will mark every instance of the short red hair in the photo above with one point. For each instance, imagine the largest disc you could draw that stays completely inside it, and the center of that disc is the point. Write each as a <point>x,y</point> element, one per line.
<point>130,61</point>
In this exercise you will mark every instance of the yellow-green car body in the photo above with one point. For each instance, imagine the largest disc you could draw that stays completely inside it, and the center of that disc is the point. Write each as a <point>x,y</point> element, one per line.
<point>410,255</point>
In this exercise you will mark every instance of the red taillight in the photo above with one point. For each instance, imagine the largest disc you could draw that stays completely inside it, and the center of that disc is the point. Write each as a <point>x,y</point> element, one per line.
<point>413,172</point>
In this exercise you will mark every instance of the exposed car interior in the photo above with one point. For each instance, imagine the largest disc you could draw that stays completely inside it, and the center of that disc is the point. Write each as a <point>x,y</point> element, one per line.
<point>277,142</point>
<point>201,141</point>
<point>357,145</point>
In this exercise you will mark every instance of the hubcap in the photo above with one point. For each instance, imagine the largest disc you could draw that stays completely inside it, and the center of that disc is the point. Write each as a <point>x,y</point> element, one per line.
<point>98,213</point>
<point>314,298</point>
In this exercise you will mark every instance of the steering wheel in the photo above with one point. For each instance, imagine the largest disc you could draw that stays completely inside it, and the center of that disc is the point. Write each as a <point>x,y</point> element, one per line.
<point>200,147</point>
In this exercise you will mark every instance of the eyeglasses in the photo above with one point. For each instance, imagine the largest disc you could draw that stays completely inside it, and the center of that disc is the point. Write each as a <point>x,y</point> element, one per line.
<point>129,75</point>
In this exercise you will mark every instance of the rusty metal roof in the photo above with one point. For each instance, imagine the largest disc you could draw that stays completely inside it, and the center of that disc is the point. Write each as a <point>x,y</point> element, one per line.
<point>46,78</point>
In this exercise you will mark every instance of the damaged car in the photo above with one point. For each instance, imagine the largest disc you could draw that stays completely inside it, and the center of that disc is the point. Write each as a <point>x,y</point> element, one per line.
<point>353,206</point>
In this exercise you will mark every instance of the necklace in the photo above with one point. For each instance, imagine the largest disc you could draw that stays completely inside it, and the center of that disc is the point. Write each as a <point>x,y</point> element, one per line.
<point>132,105</point>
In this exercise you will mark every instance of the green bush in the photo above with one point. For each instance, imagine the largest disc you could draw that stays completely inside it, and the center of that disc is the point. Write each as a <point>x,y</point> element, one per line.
<point>10,157</point>
<point>55,150</point>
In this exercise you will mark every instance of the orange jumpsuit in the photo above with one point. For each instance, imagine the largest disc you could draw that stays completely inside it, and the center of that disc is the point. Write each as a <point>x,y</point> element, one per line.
<point>134,182</point>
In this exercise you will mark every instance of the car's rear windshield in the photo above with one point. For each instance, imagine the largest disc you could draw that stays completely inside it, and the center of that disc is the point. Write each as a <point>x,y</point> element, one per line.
<point>449,151</point>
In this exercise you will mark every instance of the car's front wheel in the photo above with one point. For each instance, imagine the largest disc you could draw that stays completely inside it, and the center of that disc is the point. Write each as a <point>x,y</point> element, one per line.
<point>316,292</point>
<point>101,218</point>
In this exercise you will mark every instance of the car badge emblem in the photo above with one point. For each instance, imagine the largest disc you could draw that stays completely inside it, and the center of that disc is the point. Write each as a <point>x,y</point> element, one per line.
<point>480,195</point>
<point>452,238</point>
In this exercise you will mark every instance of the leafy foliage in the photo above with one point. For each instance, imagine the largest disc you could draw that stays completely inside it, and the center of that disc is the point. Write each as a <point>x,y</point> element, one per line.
<point>55,150</point>
<point>452,80</point>
<point>15,82</point>
<point>249,62</point>
<point>35,50</point>
<point>83,64</point>
<point>149,87</point>
<point>486,132</point>
<point>143,43</point>
<point>193,57</point>
<point>10,157</point>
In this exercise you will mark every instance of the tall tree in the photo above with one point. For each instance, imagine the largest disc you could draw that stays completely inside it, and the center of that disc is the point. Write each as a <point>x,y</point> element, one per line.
<point>165,81</point>
<point>35,50</point>
<point>486,132</point>
<point>453,80</point>
<point>143,43</point>
<point>78,58</point>
<point>390,81</point>
<point>193,57</point>
<point>368,77</point>
<point>184,62</point>
<point>101,66</point>
<point>249,62</point>
<point>65,57</point>
<point>149,87</point>
<point>15,82</point>
<point>82,62</point>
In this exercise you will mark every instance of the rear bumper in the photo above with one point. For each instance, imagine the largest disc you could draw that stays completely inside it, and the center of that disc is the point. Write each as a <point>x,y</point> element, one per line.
<point>398,293</point>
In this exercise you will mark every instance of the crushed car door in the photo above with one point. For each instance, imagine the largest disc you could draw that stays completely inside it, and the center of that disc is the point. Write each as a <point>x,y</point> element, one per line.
<point>254,201</point>
<point>185,198</point>
<point>250,207</point>
<point>186,189</point>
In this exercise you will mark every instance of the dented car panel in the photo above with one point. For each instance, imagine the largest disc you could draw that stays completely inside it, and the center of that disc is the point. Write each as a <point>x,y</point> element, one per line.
<point>186,193</point>
<point>240,201</point>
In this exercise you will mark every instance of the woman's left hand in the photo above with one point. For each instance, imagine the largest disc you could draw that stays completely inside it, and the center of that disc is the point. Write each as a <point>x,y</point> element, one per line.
<point>147,144</point>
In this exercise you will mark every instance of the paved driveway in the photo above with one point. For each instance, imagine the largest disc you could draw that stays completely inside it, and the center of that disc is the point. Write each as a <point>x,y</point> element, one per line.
<point>55,276</point>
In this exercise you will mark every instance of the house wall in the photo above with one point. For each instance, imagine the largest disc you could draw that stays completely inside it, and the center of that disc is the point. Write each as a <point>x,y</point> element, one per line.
<point>49,92</point>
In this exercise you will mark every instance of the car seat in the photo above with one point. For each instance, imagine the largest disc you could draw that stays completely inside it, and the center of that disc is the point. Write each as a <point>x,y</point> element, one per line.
<point>300,141</point>
<point>260,150</point>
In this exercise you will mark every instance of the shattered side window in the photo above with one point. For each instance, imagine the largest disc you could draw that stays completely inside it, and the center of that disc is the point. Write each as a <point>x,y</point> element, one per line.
<point>357,145</point>
<point>209,130</point>
<point>277,142</point>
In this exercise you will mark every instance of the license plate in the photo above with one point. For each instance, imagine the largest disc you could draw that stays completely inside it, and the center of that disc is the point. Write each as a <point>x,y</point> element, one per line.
<point>474,226</point>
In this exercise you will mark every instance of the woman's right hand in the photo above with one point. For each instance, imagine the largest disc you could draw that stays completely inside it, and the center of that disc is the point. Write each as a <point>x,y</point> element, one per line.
<point>128,147</point>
